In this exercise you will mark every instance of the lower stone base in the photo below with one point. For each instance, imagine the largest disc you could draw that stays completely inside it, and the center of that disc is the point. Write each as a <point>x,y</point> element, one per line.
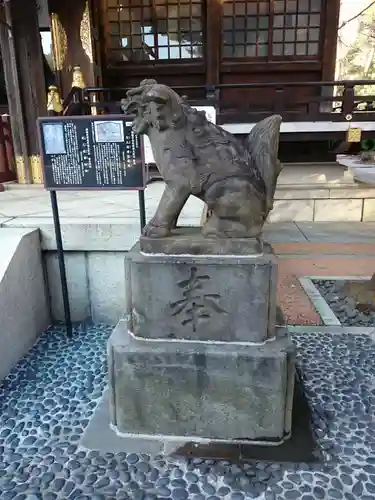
<point>218,391</point>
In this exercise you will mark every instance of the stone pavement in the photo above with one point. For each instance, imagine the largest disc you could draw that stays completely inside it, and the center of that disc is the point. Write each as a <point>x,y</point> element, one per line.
<point>48,399</point>
<point>322,258</point>
<point>318,249</point>
<point>34,201</point>
<point>303,248</point>
<point>307,192</point>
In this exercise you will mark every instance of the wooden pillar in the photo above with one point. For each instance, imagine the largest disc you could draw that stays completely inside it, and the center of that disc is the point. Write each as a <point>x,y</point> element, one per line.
<point>330,16</point>
<point>13,93</point>
<point>72,41</point>
<point>213,58</point>
<point>213,42</point>
<point>330,21</point>
<point>23,67</point>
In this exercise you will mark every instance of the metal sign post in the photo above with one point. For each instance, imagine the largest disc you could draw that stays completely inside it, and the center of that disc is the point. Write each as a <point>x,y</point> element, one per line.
<point>89,153</point>
<point>142,208</point>
<point>60,256</point>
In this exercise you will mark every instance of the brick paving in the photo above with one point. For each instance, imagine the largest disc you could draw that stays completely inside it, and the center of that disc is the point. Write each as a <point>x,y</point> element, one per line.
<point>316,259</point>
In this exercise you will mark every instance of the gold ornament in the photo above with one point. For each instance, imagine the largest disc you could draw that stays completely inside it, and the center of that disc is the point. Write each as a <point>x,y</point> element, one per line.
<point>78,80</point>
<point>59,42</point>
<point>36,171</point>
<point>85,33</point>
<point>353,135</point>
<point>20,168</point>
<point>54,102</point>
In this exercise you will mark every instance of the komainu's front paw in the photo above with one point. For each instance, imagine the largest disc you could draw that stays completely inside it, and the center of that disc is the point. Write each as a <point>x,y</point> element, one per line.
<point>153,231</point>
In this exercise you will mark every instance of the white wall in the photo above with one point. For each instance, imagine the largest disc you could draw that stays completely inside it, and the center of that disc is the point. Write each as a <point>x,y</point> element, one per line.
<point>24,311</point>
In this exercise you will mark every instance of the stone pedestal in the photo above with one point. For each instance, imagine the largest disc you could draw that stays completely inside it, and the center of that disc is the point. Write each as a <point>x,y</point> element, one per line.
<point>198,355</point>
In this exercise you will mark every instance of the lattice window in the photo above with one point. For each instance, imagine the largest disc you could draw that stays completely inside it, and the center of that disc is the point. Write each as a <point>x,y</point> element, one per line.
<point>146,30</point>
<point>271,28</point>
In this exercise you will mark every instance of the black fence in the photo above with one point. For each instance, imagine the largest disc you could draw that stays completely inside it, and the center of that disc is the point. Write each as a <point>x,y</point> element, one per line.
<point>294,101</point>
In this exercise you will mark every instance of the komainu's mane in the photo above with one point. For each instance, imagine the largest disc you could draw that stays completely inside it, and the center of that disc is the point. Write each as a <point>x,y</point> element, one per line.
<point>201,138</point>
<point>202,128</point>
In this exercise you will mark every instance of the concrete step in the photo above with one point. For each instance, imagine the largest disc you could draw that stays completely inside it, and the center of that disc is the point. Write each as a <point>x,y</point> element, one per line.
<point>24,312</point>
<point>293,174</point>
<point>310,175</point>
<point>322,193</point>
<point>305,192</point>
<point>304,175</point>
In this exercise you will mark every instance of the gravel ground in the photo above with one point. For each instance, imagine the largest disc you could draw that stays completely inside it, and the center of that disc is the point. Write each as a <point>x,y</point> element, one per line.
<point>343,306</point>
<point>50,396</point>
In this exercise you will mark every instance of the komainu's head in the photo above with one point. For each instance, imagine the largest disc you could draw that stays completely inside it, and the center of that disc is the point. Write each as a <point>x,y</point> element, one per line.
<point>154,105</point>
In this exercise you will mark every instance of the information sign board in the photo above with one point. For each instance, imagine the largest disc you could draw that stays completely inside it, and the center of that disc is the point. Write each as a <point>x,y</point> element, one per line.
<point>91,152</point>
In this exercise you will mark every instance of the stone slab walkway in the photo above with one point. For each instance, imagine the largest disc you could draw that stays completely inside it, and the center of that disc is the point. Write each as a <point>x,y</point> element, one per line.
<point>303,248</point>
<point>49,398</point>
<point>293,199</point>
<point>312,260</point>
<point>318,249</point>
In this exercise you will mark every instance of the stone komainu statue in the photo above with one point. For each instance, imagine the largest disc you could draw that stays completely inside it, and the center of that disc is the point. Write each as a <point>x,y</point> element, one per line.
<point>235,178</point>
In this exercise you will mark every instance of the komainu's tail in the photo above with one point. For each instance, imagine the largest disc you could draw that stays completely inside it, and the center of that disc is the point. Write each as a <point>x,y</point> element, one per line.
<point>263,145</point>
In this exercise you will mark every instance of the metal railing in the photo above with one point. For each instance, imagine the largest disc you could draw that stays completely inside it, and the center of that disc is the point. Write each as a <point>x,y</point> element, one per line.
<point>294,101</point>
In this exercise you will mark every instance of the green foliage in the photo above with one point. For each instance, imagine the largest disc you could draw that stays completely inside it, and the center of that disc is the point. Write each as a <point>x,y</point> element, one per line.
<point>359,62</point>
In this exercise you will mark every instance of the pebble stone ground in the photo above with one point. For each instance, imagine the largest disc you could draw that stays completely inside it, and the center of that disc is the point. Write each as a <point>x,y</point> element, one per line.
<point>50,396</point>
<point>344,307</point>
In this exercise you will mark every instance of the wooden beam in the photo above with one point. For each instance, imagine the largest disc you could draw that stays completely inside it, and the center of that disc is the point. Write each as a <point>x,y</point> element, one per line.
<point>13,93</point>
<point>213,41</point>
<point>27,76</point>
<point>94,11</point>
<point>331,13</point>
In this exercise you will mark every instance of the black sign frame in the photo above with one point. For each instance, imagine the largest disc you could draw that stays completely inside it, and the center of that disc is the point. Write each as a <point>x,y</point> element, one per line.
<point>87,120</point>
<point>79,187</point>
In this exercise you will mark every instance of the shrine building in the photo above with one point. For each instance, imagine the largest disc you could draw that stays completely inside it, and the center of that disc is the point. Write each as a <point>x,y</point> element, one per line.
<point>244,58</point>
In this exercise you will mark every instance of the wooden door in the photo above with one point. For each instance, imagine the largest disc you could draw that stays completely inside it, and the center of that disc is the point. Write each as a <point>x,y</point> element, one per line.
<point>209,42</point>
<point>275,41</point>
<point>162,39</point>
